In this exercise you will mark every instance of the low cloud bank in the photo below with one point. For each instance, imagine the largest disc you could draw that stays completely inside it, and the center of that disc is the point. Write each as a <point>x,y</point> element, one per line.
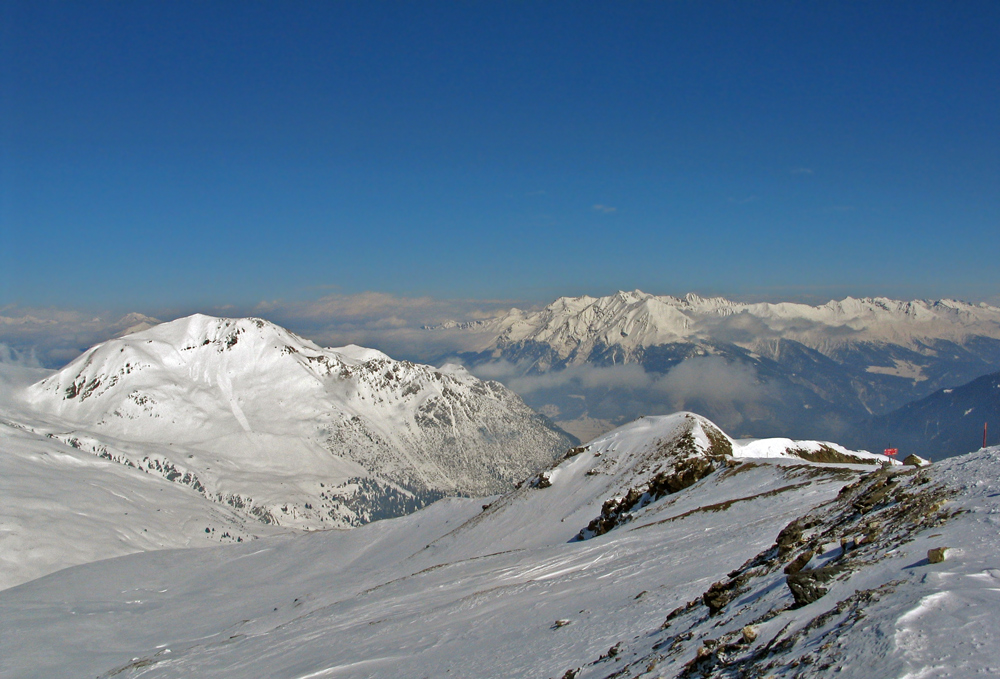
<point>695,378</point>
<point>54,337</point>
<point>585,376</point>
<point>18,369</point>
<point>731,394</point>
<point>393,324</point>
<point>386,322</point>
<point>711,377</point>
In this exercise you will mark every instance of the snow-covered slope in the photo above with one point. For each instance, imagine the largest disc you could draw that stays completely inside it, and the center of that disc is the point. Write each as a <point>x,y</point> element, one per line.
<point>619,477</point>
<point>253,416</point>
<point>61,506</point>
<point>513,589</point>
<point>897,576</point>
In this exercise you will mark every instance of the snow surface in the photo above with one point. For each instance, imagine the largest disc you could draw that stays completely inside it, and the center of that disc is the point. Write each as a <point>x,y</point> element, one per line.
<point>62,505</point>
<point>459,590</point>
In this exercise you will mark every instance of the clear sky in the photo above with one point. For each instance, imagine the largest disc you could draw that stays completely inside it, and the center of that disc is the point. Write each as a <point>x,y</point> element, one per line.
<point>205,153</point>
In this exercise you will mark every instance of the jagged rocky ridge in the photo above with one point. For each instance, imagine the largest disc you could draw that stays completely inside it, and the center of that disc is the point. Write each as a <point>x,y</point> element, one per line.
<point>578,327</point>
<point>747,625</point>
<point>251,415</point>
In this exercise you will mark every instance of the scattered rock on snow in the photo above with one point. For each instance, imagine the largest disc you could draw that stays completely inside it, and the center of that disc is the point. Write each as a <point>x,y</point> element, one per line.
<point>806,587</point>
<point>799,562</point>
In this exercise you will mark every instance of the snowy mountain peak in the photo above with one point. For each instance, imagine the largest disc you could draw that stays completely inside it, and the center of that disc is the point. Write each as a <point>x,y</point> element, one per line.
<point>246,404</point>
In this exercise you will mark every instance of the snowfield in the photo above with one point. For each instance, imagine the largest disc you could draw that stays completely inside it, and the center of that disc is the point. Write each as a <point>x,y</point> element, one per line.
<point>657,550</point>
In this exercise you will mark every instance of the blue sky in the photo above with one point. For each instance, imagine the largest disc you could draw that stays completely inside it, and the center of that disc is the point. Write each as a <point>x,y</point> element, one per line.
<point>197,154</point>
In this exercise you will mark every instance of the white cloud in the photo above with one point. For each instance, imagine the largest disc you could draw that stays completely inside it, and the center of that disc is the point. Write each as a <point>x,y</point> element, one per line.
<point>56,336</point>
<point>708,377</point>
<point>605,209</point>
<point>711,378</point>
<point>390,323</point>
<point>387,322</point>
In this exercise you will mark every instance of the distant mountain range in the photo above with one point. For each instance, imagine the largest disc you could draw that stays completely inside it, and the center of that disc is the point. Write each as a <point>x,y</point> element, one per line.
<point>757,369</point>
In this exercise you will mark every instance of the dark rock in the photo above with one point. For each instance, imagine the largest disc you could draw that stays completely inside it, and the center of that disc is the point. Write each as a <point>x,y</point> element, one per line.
<point>788,538</point>
<point>721,593</point>
<point>830,455</point>
<point>799,562</point>
<point>805,585</point>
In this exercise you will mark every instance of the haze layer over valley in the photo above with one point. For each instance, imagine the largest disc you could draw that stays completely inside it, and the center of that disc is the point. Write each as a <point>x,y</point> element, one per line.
<point>758,369</point>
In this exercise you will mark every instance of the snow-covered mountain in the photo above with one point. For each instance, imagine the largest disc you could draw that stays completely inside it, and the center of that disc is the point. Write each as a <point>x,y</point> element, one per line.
<point>578,327</point>
<point>257,418</point>
<point>715,558</point>
<point>803,370</point>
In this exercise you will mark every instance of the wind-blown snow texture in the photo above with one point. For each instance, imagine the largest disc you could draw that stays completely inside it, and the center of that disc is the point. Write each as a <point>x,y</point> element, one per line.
<point>691,584</point>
